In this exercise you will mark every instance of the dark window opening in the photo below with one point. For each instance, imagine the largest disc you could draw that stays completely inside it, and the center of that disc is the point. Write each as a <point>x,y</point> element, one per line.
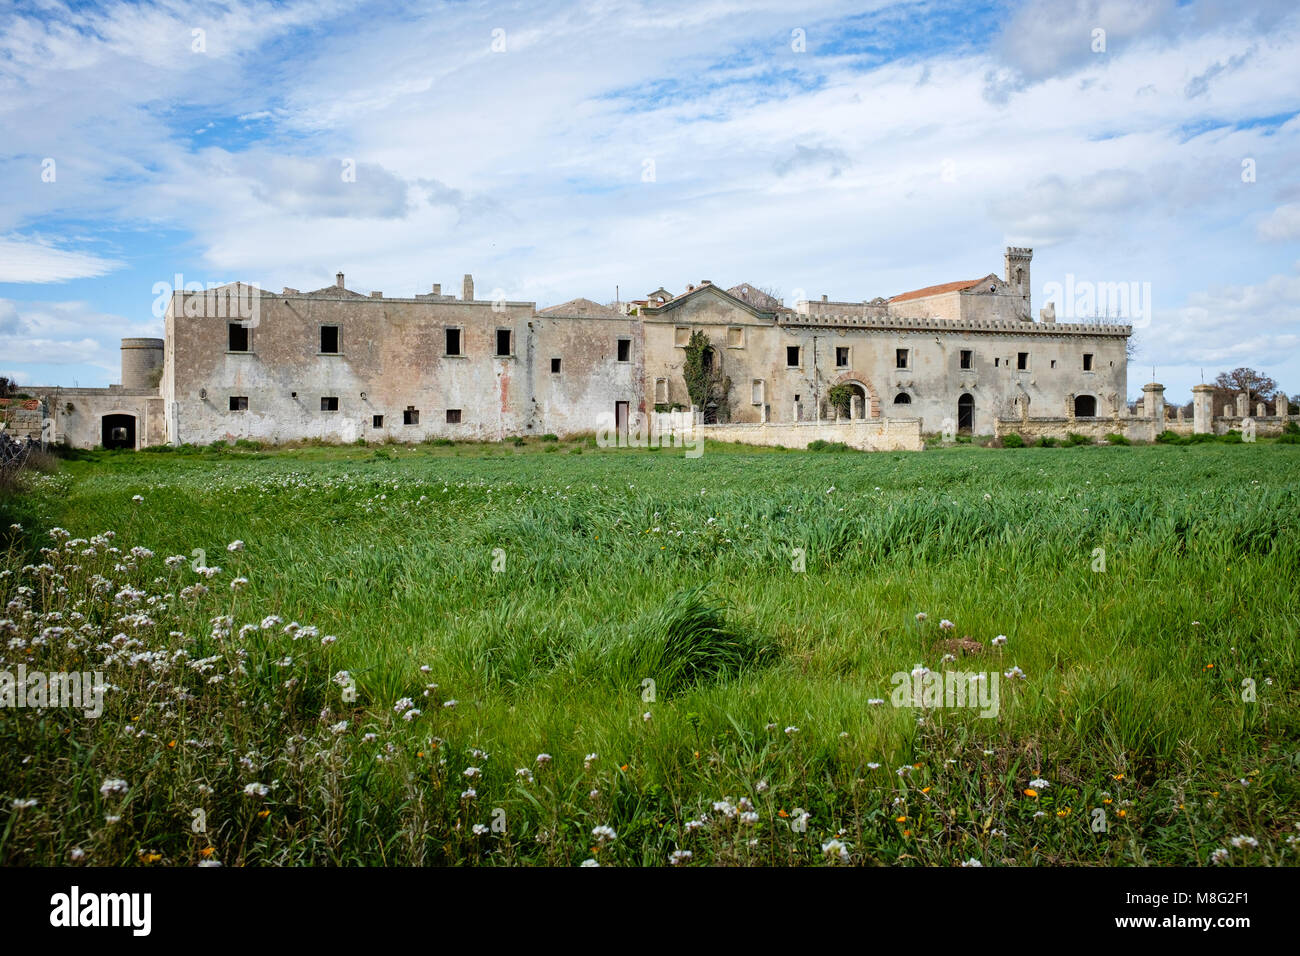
<point>555,366</point>
<point>792,356</point>
<point>1085,406</point>
<point>410,416</point>
<point>1053,363</point>
<point>238,337</point>
<point>239,403</point>
<point>624,350</point>
<point>997,362</point>
<point>453,341</point>
<point>329,403</point>
<point>503,341</point>
<point>1087,361</point>
<point>1022,360</point>
<point>900,358</point>
<point>706,360</point>
<point>453,416</point>
<point>967,358</point>
<point>376,421</point>
<point>841,356</point>
<point>902,398</point>
<point>329,338</point>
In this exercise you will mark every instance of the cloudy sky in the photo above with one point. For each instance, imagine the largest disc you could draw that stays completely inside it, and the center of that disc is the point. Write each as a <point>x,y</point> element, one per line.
<point>561,150</point>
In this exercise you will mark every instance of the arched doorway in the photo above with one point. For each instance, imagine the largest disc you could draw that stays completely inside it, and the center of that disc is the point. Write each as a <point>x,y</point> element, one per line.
<point>1085,406</point>
<point>117,431</point>
<point>966,414</point>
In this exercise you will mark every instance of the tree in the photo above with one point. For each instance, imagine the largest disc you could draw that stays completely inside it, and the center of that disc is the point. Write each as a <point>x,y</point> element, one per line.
<point>1228,385</point>
<point>704,382</point>
<point>7,386</point>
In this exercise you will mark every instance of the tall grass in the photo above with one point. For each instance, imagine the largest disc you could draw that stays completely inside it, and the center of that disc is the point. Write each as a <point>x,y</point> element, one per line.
<point>651,610</point>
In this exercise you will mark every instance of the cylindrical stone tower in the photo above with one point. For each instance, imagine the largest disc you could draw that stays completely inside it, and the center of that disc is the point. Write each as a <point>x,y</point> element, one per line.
<point>142,360</point>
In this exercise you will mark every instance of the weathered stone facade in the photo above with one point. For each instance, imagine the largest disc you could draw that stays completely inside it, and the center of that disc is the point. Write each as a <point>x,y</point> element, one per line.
<point>333,364</point>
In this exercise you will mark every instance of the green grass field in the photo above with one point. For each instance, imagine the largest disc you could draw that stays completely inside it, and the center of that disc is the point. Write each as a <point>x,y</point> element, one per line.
<point>705,648</point>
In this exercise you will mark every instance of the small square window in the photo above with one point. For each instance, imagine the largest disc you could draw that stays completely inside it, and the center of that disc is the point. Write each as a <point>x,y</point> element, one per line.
<point>1022,361</point>
<point>453,416</point>
<point>503,342</point>
<point>453,342</point>
<point>329,403</point>
<point>238,337</point>
<point>792,357</point>
<point>239,403</point>
<point>624,350</point>
<point>841,356</point>
<point>967,358</point>
<point>411,416</point>
<point>376,421</point>
<point>555,366</point>
<point>900,358</point>
<point>1087,361</point>
<point>329,339</point>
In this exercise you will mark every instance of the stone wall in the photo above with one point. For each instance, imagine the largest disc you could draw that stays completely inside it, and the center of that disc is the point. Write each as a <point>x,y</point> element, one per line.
<point>882,434</point>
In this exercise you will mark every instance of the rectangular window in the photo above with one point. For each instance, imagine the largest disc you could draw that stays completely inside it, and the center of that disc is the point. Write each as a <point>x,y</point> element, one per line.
<point>624,350</point>
<point>238,341</point>
<point>661,391</point>
<point>453,416</point>
<point>1053,363</point>
<point>997,362</point>
<point>735,337</point>
<point>503,342</point>
<point>967,358</point>
<point>239,403</point>
<point>792,356</point>
<point>376,421</point>
<point>841,356</point>
<point>411,416</point>
<point>329,339</point>
<point>329,403</point>
<point>555,366</point>
<point>756,392</point>
<point>682,335</point>
<point>1022,360</point>
<point>453,342</point>
<point>1087,361</point>
<point>900,358</point>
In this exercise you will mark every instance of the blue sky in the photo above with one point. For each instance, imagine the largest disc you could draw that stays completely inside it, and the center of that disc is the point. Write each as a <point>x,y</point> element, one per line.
<point>851,149</point>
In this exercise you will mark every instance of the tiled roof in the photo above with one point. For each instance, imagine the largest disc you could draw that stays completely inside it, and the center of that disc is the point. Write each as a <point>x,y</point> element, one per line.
<point>937,290</point>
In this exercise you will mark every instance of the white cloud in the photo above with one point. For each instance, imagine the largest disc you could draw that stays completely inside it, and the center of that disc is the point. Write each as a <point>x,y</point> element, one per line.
<point>35,260</point>
<point>1282,224</point>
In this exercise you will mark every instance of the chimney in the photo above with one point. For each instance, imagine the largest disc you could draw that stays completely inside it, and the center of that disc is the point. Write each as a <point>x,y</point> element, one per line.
<point>467,288</point>
<point>338,279</point>
<point>437,288</point>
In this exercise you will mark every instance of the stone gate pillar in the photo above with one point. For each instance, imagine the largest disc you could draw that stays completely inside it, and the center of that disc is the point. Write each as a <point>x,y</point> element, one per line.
<point>1280,406</point>
<point>1153,402</point>
<point>1203,409</point>
<point>1243,401</point>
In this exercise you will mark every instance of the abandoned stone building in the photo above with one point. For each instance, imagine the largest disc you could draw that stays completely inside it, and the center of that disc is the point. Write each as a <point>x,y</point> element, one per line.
<point>338,365</point>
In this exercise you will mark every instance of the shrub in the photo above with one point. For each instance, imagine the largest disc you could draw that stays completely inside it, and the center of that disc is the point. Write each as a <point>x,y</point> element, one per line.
<point>1288,438</point>
<point>1045,442</point>
<point>1231,438</point>
<point>550,437</point>
<point>1291,428</point>
<point>1117,439</point>
<point>1074,438</point>
<point>248,444</point>
<point>1012,441</point>
<point>1167,437</point>
<point>1201,438</point>
<point>517,441</point>
<point>823,445</point>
